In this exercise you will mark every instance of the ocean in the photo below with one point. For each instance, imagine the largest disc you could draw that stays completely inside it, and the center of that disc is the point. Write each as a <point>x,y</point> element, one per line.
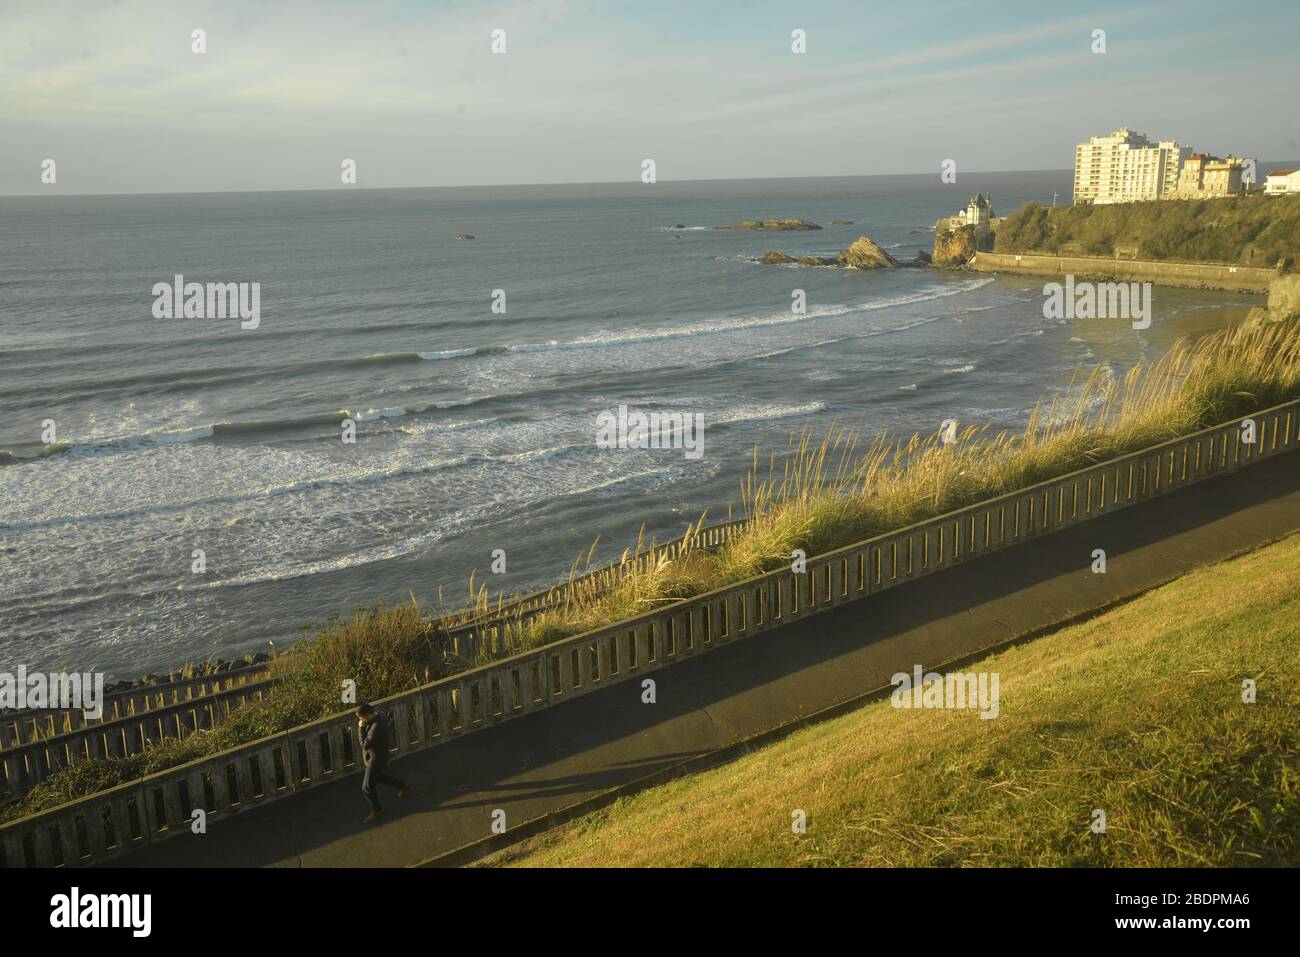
<point>474,428</point>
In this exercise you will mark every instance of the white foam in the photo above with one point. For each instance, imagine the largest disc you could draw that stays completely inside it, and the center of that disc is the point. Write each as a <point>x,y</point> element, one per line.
<point>314,513</point>
<point>446,354</point>
<point>606,339</point>
<point>371,414</point>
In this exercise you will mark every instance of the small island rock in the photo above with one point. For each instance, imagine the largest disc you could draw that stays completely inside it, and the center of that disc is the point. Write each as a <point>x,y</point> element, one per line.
<point>784,224</point>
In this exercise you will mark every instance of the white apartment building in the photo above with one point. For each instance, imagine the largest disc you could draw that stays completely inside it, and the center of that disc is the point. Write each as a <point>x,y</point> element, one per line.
<point>1125,167</point>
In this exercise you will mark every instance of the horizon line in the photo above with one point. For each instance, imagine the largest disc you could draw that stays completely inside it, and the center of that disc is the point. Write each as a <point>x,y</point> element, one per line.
<point>612,182</point>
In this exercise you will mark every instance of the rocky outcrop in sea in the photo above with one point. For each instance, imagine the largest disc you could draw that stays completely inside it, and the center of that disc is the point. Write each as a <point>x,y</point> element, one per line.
<point>955,247</point>
<point>779,224</point>
<point>863,253</point>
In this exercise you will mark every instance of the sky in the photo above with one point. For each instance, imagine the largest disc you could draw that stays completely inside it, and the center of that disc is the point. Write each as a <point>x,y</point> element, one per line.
<point>585,91</point>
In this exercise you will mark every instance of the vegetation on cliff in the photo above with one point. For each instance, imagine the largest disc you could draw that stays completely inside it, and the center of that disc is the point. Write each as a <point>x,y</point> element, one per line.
<point>1254,230</point>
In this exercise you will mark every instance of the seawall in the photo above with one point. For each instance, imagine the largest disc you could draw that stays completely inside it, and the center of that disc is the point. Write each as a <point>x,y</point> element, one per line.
<point>1193,275</point>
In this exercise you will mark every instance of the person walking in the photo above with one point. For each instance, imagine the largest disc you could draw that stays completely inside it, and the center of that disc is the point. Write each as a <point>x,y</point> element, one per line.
<point>372,730</point>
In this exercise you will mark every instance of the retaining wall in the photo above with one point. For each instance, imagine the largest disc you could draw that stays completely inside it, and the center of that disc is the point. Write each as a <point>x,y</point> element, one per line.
<point>1194,275</point>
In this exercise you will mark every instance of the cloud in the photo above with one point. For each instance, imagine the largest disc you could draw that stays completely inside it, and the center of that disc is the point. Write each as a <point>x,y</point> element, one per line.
<point>586,91</point>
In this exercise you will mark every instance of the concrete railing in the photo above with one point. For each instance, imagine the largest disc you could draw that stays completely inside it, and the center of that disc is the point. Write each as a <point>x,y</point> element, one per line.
<point>155,808</point>
<point>24,766</point>
<point>21,727</point>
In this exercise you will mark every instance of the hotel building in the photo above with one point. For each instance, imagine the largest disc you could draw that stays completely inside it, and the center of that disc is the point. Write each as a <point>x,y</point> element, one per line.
<point>1125,167</point>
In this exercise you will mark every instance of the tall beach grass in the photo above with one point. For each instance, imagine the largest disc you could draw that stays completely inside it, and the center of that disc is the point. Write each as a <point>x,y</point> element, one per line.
<point>824,494</point>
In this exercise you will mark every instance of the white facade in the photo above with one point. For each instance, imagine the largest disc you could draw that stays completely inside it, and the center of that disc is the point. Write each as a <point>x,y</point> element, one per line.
<point>1125,167</point>
<point>1282,181</point>
<point>978,212</point>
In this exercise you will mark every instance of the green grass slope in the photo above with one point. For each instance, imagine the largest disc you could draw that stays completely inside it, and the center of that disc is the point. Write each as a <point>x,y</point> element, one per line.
<point>1254,230</point>
<point>1137,712</point>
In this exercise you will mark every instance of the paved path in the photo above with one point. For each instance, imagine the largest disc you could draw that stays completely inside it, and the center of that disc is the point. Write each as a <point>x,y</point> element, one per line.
<point>571,752</point>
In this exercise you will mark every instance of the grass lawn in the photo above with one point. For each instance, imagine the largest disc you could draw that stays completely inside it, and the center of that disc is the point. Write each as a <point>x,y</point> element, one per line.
<point>1137,712</point>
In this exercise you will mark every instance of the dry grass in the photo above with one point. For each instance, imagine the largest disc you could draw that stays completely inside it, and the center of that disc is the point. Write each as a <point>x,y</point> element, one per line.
<point>825,494</point>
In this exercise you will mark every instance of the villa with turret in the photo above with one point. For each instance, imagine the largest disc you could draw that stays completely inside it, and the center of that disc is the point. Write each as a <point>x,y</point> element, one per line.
<point>978,213</point>
<point>958,238</point>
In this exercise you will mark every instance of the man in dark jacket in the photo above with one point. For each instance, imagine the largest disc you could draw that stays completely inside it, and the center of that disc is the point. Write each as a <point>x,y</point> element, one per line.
<point>372,730</point>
